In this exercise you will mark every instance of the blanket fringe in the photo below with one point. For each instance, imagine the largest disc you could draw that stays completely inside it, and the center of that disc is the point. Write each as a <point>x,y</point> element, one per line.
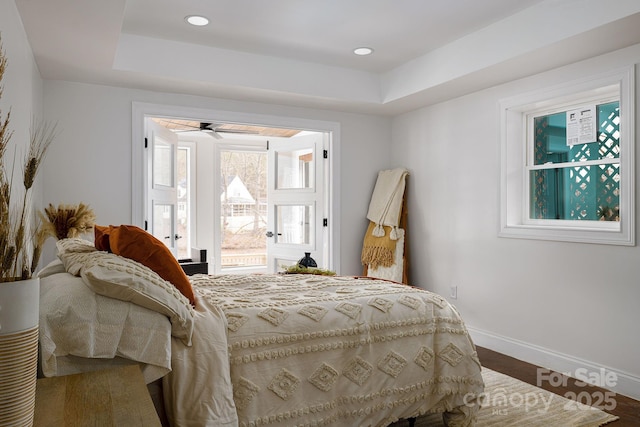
<point>375,256</point>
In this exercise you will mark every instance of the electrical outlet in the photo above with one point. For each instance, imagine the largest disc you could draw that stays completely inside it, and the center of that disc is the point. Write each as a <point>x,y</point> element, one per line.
<point>454,292</point>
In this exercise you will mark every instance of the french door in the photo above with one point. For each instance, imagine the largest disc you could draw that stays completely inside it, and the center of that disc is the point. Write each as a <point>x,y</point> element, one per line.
<point>292,212</point>
<point>162,192</point>
<point>295,201</point>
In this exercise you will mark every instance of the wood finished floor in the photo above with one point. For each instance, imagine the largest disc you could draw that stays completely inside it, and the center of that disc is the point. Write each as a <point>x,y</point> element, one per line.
<point>626,408</point>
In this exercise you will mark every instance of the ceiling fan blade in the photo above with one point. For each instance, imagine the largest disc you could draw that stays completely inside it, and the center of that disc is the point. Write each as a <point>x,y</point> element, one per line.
<point>221,128</point>
<point>247,132</point>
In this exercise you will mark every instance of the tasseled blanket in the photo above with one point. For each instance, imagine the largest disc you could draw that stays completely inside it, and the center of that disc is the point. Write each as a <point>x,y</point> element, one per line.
<point>378,251</point>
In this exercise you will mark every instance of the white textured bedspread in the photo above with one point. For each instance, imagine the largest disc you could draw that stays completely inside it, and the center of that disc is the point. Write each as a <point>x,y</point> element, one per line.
<point>307,350</point>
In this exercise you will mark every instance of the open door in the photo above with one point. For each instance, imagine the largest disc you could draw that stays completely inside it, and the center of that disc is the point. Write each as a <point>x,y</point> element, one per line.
<point>162,197</point>
<point>154,190</point>
<point>295,201</point>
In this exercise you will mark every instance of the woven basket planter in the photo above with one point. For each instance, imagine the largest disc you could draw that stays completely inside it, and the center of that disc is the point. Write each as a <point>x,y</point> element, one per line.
<point>19,306</point>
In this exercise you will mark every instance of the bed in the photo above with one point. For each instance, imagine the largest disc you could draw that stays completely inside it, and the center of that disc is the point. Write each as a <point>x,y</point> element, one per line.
<point>261,350</point>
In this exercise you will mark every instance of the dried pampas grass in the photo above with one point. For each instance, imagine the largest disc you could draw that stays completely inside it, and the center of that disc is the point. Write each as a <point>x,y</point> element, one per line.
<point>67,221</point>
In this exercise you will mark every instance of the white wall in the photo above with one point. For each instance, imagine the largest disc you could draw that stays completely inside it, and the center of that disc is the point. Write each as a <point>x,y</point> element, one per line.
<point>90,161</point>
<point>22,90</point>
<point>541,301</point>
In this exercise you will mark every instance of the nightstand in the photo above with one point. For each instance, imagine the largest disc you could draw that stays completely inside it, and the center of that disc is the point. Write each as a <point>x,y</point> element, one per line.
<point>197,264</point>
<point>110,397</point>
<point>191,268</point>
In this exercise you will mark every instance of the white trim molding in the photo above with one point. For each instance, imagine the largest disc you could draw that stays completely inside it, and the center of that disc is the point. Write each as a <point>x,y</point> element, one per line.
<point>625,383</point>
<point>140,110</point>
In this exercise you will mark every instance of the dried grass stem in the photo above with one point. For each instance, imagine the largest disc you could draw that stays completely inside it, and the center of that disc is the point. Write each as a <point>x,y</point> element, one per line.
<point>20,246</point>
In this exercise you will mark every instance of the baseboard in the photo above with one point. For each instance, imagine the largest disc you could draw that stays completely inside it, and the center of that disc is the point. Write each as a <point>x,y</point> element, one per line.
<point>625,383</point>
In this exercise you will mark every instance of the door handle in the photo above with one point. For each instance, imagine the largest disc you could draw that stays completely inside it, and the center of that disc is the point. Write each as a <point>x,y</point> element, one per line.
<point>269,233</point>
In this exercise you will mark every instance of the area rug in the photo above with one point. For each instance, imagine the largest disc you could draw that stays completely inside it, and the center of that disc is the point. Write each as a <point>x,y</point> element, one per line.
<point>510,402</point>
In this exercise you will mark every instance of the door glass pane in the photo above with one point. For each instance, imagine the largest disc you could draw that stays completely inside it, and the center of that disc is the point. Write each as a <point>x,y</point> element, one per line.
<point>295,169</point>
<point>184,203</point>
<point>243,216</point>
<point>293,223</point>
<point>162,164</point>
<point>162,223</point>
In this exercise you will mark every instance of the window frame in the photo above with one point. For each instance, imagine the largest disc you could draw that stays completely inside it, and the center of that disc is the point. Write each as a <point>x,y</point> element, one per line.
<point>515,115</point>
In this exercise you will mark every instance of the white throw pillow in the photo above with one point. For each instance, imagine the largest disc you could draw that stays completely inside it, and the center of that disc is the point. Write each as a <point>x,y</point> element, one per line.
<point>73,253</point>
<point>74,245</point>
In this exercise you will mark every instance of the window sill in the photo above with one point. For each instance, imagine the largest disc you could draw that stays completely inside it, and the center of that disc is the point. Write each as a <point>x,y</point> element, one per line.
<point>606,235</point>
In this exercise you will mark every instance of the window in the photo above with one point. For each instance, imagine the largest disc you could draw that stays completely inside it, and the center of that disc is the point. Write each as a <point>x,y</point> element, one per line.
<point>567,162</point>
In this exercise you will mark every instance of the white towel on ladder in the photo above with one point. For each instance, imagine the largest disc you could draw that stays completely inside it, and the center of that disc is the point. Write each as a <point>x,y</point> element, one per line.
<point>386,201</point>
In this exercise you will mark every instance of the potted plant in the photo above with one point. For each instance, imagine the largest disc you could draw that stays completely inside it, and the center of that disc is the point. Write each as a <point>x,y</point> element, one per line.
<point>21,240</point>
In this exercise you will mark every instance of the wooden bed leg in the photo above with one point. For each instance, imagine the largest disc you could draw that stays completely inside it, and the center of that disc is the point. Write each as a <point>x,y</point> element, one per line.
<point>412,421</point>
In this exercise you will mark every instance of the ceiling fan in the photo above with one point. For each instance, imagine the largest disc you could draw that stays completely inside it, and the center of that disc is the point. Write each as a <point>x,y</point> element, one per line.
<point>215,129</point>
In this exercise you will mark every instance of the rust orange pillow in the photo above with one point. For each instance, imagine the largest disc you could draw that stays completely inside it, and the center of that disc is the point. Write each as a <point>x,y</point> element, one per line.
<point>101,234</point>
<point>134,243</point>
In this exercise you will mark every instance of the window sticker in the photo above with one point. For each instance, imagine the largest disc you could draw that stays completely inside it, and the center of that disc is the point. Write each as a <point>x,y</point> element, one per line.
<point>581,125</point>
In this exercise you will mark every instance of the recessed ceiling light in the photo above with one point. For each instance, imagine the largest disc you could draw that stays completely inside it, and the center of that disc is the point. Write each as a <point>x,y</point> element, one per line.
<point>197,20</point>
<point>363,51</point>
